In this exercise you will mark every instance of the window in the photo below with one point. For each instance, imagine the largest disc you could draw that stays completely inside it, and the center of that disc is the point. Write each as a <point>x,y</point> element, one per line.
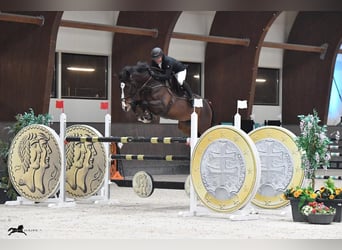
<point>84,76</point>
<point>193,76</point>
<point>267,87</point>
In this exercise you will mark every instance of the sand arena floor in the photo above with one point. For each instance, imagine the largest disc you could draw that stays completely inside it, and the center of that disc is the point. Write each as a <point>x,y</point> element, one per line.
<point>161,216</point>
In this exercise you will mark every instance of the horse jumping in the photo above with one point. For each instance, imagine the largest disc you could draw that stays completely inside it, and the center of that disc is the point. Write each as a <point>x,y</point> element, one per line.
<point>147,96</point>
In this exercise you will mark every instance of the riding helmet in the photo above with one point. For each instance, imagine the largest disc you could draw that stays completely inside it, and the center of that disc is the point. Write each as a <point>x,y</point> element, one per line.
<point>156,52</point>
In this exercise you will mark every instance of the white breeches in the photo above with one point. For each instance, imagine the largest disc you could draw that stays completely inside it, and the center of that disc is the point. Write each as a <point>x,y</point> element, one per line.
<point>180,76</point>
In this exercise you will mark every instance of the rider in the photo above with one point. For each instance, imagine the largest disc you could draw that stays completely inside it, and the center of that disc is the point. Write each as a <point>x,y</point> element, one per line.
<point>169,67</point>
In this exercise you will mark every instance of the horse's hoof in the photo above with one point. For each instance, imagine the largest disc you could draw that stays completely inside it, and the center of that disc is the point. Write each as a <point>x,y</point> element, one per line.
<point>144,120</point>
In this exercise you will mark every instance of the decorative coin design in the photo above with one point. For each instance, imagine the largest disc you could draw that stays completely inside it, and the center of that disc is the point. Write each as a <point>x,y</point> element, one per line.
<point>34,162</point>
<point>143,184</point>
<point>280,165</point>
<point>225,168</point>
<point>86,163</point>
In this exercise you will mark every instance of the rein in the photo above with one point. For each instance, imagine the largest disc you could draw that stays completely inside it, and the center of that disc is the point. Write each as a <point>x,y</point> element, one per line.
<point>145,83</point>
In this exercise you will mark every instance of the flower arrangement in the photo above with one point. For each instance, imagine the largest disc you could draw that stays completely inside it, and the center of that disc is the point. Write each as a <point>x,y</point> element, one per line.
<point>313,144</point>
<point>304,195</point>
<point>329,191</point>
<point>317,208</point>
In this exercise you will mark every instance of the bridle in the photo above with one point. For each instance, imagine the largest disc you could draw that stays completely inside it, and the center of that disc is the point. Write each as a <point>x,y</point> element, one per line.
<point>132,96</point>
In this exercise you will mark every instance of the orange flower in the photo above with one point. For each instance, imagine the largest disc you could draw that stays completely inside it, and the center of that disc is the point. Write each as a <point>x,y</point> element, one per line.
<point>313,195</point>
<point>297,193</point>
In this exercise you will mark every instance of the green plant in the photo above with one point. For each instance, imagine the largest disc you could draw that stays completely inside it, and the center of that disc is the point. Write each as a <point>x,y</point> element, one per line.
<point>22,120</point>
<point>304,195</point>
<point>329,191</point>
<point>317,208</point>
<point>313,144</point>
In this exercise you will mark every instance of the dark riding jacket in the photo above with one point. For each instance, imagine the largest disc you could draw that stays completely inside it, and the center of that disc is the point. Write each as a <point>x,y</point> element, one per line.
<point>169,67</point>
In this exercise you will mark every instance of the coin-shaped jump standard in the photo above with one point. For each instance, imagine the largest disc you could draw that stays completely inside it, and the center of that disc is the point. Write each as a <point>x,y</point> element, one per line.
<point>86,163</point>
<point>225,168</point>
<point>34,162</point>
<point>280,165</point>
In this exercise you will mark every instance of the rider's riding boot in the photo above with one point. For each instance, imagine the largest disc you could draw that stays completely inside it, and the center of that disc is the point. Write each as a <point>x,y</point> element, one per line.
<point>188,90</point>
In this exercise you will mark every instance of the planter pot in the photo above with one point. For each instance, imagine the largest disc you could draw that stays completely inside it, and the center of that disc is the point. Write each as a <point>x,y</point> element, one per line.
<point>297,216</point>
<point>337,204</point>
<point>3,196</point>
<point>320,218</point>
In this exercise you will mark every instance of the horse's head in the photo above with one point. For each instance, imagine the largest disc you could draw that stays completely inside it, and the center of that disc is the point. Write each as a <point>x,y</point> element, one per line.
<point>132,79</point>
<point>128,89</point>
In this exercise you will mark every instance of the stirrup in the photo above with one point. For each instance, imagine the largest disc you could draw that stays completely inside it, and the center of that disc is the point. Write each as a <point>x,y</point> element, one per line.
<point>191,100</point>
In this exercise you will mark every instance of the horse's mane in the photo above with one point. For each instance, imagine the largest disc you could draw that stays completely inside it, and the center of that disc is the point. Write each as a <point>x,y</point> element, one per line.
<point>128,71</point>
<point>142,67</point>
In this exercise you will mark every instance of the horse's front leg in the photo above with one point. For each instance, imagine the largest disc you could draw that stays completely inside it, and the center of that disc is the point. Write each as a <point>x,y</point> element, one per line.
<point>143,114</point>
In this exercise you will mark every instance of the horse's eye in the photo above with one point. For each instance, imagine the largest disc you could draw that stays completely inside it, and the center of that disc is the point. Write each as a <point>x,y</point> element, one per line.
<point>128,88</point>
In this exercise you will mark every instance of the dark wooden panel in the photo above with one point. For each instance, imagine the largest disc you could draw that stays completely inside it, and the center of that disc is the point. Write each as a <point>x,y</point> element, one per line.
<point>129,49</point>
<point>230,70</point>
<point>26,65</point>
<point>306,78</point>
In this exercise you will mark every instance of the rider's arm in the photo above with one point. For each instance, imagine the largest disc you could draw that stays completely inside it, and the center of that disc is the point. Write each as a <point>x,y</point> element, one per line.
<point>162,76</point>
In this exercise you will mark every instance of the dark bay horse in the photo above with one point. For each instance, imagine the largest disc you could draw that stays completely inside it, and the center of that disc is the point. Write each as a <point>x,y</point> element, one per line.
<point>147,96</point>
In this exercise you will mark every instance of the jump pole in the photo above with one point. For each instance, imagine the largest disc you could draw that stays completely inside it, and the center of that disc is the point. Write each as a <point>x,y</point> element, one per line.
<point>62,127</point>
<point>62,200</point>
<point>107,174</point>
<point>105,192</point>
<point>198,103</point>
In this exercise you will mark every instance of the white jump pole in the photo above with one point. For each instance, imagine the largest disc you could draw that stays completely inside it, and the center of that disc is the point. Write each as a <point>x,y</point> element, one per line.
<point>107,174</point>
<point>62,127</point>
<point>62,202</point>
<point>193,140</point>
<point>241,104</point>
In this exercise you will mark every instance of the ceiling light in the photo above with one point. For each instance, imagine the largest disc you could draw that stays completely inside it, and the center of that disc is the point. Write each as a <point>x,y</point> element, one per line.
<point>81,69</point>
<point>260,80</point>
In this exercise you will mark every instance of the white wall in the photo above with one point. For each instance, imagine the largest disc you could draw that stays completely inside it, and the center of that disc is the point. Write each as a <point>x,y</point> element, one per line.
<point>273,58</point>
<point>84,42</point>
<point>196,22</point>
